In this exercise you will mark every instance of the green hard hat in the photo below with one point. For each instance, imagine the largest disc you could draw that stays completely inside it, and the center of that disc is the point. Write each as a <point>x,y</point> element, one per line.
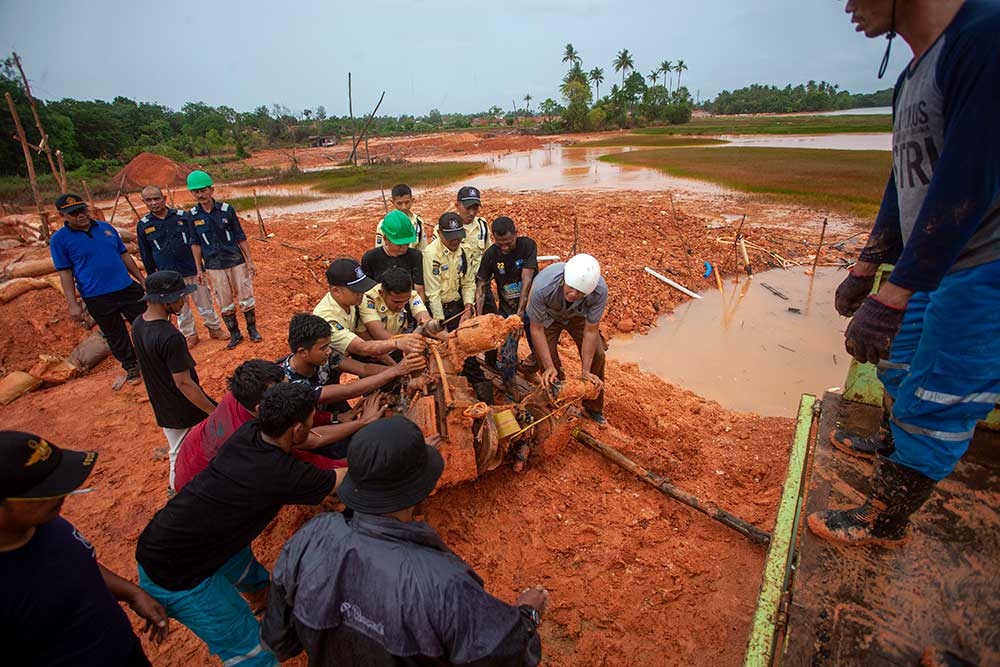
<point>198,179</point>
<point>398,229</point>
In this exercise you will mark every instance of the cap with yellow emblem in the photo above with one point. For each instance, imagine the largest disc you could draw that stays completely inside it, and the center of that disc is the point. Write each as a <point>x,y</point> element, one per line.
<point>70,203</point>
<point>32,468</point>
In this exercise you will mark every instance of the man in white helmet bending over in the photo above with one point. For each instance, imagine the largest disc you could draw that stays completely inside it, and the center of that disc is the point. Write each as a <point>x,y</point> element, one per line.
<point>570,296</point>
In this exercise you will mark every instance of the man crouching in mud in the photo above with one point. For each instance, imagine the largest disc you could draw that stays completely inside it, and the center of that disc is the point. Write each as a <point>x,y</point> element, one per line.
<point>934,327</point>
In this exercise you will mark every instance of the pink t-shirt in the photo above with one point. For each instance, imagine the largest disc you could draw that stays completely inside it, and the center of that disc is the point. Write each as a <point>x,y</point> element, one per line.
<point>203,441</point>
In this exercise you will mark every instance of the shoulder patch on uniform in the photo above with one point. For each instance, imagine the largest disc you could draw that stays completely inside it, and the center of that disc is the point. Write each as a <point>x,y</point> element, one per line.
<point>150,230</point>
<point>225,206</point>
<point>194,209</point>
<point>145,218</point>
<point>370,303</point>
<point>338,326</point>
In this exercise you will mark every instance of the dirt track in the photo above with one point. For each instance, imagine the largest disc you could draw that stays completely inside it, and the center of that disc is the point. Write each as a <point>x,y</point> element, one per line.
<point>635,577</point>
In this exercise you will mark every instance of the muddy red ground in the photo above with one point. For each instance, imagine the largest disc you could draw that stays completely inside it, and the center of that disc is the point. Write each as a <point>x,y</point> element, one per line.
<point>636,578</point>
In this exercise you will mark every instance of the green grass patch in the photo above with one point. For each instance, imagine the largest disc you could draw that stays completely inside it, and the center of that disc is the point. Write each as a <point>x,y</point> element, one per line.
<point>372,177</point>
<point>661,140</point>
<point>851,181</point>
<point>246,203</point>
<point>716,125</point>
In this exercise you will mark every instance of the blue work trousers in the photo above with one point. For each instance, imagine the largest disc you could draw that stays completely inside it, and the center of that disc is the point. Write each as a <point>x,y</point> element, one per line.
<point>943,372</point>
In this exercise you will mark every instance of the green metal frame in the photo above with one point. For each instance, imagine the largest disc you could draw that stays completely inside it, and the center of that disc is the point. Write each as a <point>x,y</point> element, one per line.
<point>777,567</point>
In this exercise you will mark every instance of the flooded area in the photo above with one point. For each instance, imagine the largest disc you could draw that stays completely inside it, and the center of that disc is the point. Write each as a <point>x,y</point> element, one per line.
<point>876,141</point>
<point>746,349</point>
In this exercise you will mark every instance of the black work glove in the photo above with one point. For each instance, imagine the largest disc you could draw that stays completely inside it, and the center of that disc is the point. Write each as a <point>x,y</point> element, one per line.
<point>851,292</point>
<point>870,333</point>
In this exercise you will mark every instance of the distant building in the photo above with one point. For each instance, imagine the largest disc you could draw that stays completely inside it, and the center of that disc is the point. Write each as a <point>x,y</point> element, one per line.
<point>319,141</point>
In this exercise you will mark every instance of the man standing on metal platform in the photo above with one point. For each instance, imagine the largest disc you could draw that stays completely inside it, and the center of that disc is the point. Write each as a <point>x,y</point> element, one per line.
<point>934,327</point>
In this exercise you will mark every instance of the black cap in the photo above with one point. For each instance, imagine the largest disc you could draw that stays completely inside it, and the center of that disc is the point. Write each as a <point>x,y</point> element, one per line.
<point>166,287</point>
<point>346,272</point>
<point>70,203</point>
<point>389,467</point>
<point>33,468</point>
<point>450,226</point>
<point>468,195</point>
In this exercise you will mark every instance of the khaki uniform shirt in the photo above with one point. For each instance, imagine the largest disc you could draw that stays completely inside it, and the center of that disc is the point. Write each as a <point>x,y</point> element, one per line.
<point>418,224</point>
<point>448,277</point>
<point>345,324</point>
<point>373,309</point>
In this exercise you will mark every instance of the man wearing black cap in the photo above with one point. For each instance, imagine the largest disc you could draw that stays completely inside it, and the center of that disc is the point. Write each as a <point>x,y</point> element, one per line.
<point>477,236</point>
<point>348,284</point>
<point>194,556</point>
<point>90,257</point>
<point>375,587</point>
<point>59,605</point>
<point>178,401</point>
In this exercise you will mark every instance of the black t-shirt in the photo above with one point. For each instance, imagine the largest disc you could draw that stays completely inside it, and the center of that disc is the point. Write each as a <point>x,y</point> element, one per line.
<point>162,350</point>
<point>505,269</point>
<point>376,261</point>
<point>56,610</point>
<point>225,507</point>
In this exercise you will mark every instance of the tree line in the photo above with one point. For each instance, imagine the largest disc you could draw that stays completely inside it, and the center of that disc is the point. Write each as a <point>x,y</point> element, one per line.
<point>811,96</point>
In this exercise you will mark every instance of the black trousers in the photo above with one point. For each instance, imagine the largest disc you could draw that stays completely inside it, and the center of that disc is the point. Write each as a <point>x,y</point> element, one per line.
<point>111,311</point>
<point>471,368</point>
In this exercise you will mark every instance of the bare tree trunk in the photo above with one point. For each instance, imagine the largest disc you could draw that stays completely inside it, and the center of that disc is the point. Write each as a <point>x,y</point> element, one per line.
<point>44,141</point>
<point>31,168</point>
<point>354,131</point>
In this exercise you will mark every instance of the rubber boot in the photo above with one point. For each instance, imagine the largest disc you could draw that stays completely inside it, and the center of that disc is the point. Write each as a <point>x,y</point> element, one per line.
<point>484,392</point>
<point>897,492</point>
<point>217,333</point>
<point>251,318</point>
<point>235,337</point>
<point>865,446</point>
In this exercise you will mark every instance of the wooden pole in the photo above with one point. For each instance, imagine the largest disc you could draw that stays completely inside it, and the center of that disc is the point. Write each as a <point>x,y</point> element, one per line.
<point>43,216</point>
<point>354,129</point>
<point>666,487</point>
<point>62,170</point>
<point>129,201</point>
<point>44,143</point>
<point>354,151</point>
<point>260,220</point>
<point>114,207</point>
<point>822,235</point>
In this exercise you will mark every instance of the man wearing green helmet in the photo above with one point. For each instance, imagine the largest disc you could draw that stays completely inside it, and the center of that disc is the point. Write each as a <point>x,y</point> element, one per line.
<point>220,248</point>
<point>398,235</point>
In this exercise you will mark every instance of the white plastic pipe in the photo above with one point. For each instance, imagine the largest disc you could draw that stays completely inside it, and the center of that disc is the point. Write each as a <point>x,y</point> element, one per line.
<point>672,283</point>
<point>548,258</point>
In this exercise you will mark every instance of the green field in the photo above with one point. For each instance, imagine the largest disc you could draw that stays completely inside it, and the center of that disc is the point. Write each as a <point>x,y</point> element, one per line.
<point>851,181</point>
<point>717,125</point>
<point>661,140</point>
<point>246,203</point>
<point>372,177</point>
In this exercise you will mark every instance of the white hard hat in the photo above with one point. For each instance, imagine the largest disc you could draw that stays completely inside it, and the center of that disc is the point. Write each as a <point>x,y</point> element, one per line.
<point>582,273</point>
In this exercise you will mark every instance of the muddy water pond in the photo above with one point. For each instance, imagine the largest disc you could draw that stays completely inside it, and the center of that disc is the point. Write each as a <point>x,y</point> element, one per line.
<point>746,349</point>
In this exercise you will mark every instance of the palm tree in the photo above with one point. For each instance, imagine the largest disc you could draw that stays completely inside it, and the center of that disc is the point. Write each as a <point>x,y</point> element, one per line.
<point>527,104</point>
<point>597,76</point>
<point>653,76</point>
<point>623,63</point>
<point>571,55</point>
<point>666,67</point>
<point>679,67</point>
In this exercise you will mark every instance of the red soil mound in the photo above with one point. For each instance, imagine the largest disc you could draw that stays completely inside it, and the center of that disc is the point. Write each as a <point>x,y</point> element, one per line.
<point>152,169</point>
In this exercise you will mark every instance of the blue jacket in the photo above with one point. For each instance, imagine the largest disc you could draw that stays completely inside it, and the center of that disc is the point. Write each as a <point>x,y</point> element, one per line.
<point>218,233</point>
<point>375,591</point>
<point>165,243</point>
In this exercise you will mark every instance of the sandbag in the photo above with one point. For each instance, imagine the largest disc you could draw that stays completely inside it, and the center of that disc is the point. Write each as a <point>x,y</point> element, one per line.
<point>55,283</point>
<point>15,385</point>
<point>91,351</point>
<point>31,267</point>
<point>52,370</point>
<point>12,289</point>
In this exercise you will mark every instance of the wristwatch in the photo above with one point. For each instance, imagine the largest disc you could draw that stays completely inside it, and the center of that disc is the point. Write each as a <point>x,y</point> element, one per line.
<point>531,613</point>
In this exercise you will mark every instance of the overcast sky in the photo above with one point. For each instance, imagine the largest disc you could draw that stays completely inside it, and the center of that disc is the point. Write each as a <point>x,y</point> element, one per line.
<point>454,56</point>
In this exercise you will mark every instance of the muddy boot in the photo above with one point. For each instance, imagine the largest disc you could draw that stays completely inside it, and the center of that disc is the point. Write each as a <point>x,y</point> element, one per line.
<point>192,341</point>
<point>217,333</point>
<point>865,446</point>
<point>251,317</point>
<point>484,392</point>
<point>235,337</point>
<point>897,492</point>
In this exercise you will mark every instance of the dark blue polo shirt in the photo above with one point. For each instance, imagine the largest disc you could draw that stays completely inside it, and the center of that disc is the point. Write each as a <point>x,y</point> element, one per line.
<point>94,255</point>
<point>165,243</point>
<point>218,233</point>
